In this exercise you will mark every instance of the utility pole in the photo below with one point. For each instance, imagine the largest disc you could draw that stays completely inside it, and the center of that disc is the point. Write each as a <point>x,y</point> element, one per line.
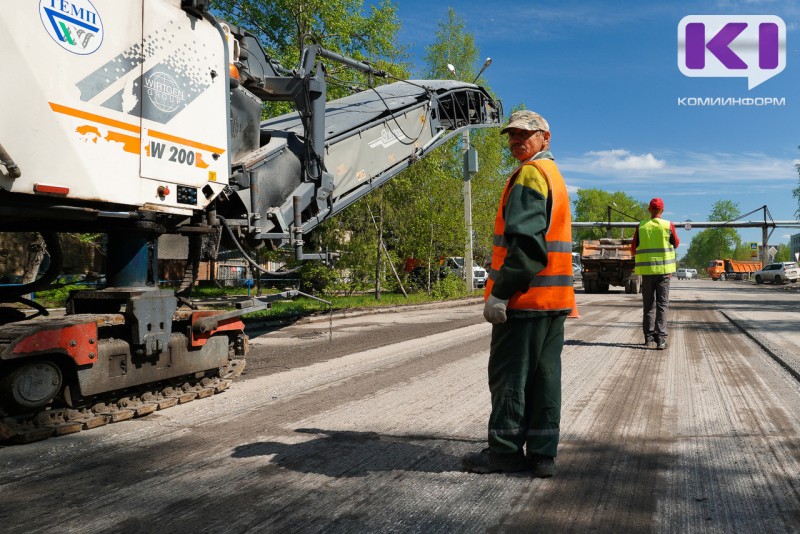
<point>470,167</point>
<point>764,239</point>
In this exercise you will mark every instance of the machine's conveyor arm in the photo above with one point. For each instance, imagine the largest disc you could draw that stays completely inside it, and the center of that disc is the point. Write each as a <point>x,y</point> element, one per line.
<point>369,138</point>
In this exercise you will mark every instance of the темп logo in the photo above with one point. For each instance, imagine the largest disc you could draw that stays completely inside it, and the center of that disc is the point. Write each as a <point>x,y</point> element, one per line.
<point>732,46</point>
<point>74,24</point>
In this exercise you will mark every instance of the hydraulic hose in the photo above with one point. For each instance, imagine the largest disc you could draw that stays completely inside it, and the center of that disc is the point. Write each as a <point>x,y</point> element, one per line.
<point>250,260</point>
<point>9,164</point>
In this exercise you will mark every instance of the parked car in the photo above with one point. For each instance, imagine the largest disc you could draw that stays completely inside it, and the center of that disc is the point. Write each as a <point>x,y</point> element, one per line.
<point>455,266</point>
<point>479,276</point>
<point>686,274</point>
<point>778,273</point>
<point>576,271</point>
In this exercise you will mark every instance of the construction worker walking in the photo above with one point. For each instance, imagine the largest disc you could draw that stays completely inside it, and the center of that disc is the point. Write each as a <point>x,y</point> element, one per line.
<point>654,244</point>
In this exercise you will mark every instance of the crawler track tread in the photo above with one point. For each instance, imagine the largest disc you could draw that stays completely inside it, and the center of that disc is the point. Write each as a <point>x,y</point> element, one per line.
<point>38,426</point>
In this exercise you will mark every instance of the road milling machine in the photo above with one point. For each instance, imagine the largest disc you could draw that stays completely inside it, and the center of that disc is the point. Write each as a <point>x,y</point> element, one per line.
<point>142,118</point>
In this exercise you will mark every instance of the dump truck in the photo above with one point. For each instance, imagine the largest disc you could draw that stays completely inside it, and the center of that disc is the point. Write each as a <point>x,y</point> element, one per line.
<point>608,262</point>
<point>729,269</point>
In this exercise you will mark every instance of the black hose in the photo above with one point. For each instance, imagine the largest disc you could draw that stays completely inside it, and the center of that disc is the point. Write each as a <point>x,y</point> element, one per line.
<point>192,267</point>
<point>248,258</point>
<point>5,159</point>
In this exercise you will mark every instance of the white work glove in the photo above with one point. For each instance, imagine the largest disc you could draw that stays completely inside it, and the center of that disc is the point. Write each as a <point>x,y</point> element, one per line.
<point>494,310</point>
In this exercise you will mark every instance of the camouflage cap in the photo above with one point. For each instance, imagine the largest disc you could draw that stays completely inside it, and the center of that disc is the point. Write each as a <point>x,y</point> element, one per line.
<point>526,120</point>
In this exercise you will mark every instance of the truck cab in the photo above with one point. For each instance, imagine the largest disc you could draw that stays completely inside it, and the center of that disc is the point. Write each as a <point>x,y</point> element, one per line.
<point>715,269</point>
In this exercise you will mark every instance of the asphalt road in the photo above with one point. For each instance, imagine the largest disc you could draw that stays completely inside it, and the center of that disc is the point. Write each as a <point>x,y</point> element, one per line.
<point>364,432</point>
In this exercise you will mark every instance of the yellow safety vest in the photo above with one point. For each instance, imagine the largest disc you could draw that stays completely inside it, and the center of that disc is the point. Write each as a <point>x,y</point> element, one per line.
<point>655,254</point>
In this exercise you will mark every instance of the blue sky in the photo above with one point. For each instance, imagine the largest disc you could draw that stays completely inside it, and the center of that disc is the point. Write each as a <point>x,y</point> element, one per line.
<point>605,75</point>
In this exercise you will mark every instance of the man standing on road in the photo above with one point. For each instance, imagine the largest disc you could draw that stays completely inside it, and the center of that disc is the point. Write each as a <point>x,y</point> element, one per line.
<point>528,297</point>
<point>654,244</point>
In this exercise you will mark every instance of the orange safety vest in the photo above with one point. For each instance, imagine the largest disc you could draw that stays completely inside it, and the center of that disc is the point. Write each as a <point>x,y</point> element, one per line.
<point>551,289</point>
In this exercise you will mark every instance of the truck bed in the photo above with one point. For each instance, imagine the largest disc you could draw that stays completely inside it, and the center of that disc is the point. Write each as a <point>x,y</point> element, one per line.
<point>608,262</point>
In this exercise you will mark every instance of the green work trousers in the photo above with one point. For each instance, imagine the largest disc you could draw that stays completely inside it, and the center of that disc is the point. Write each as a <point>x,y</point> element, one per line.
<point>525,383</point>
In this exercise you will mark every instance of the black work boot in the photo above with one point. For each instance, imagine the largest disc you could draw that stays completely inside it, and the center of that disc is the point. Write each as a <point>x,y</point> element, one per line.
<point>662,344</point>
<point>543,466</point>
<point>487,461</point>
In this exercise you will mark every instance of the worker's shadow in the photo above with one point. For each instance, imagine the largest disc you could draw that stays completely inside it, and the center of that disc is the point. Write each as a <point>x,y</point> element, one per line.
<point>355,454</point>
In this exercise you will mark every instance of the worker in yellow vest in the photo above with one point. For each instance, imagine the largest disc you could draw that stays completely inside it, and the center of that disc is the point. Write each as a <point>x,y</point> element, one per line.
<point>654,244</point>
<point>528,297</point>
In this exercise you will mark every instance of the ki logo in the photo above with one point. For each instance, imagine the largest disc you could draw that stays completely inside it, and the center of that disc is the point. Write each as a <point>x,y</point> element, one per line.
<point>728,46</point>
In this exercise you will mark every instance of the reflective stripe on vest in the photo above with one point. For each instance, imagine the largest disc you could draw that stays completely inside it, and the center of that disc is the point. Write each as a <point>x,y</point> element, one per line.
<point>551,289</point>
<point>552,246</point>
<point>655,254</point>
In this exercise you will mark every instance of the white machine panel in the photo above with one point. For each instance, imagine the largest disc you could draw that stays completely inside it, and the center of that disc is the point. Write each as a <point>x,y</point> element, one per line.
<point>101,106</point>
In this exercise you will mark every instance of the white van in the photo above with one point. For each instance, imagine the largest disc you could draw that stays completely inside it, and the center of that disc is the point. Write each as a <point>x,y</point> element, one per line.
<point>687,274</point>
<point>480,276</point>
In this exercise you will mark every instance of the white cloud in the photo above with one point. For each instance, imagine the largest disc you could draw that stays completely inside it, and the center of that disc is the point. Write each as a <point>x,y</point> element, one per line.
<point>708,170</point>
<point>622,160</point>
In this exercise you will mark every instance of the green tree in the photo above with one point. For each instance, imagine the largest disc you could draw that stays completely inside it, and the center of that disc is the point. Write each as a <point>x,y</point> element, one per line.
<point>354,237</point>
<point>594,205</point>
<point>742,252</point>
<point>455,46</point>
<point>726,240</point>
<point>284,27</point>
<point>495,165</point>
<point>717,243</point>
<point>784,252</point>
<point>429,223</point>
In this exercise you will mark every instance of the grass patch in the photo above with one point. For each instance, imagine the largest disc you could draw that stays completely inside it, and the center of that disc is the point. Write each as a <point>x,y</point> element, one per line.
<point>301,306</point>
<point>57,298</point>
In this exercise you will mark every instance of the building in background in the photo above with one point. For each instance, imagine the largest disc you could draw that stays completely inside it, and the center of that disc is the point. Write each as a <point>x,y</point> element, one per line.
<point>794,244</point>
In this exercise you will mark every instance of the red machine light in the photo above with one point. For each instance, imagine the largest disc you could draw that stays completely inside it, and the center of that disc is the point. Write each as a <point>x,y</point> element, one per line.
<point>50,189</point>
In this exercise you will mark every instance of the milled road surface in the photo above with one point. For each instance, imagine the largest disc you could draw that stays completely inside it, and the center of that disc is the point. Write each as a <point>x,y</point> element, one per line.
<point>364,433</point>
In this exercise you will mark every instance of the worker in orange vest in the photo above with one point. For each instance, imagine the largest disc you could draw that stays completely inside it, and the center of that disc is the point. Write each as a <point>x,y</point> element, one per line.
<point>527,299</point>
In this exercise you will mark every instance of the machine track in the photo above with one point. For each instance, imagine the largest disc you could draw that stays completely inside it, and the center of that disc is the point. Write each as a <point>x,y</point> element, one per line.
<point>51,422</point>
